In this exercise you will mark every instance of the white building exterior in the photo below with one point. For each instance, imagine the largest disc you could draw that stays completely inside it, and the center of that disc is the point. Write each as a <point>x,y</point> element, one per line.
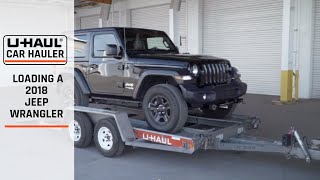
<point>262,38</point>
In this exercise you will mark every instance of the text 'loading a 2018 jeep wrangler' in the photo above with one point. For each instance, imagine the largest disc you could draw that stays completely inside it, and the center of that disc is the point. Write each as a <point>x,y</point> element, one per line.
<point>142,68</point>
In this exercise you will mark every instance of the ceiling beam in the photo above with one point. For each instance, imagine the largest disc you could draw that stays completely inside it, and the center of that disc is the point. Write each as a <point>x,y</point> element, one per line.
<point>102,1</point>
<point>85,5</point>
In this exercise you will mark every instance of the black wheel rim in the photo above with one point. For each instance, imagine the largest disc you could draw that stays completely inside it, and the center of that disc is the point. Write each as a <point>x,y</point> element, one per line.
<point>160,110</point>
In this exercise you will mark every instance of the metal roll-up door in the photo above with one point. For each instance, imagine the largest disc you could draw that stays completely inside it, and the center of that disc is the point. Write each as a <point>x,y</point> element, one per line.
<point>77,23</point>
<point>113,20</point>
<point>249,34</point>
<point>155,17</point>
<point>316,53</point>
<point>89,22</point>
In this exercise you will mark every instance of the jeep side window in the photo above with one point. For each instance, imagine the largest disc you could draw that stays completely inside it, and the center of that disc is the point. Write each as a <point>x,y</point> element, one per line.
<point>80,42</point>
<point>100,43</point>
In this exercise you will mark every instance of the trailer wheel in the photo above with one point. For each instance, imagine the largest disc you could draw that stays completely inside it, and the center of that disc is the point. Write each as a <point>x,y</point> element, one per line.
<point>81,130</point>
<point>107,138</point>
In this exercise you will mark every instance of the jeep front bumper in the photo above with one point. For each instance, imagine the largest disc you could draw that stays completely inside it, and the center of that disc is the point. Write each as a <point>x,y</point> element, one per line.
<point>209,95</point>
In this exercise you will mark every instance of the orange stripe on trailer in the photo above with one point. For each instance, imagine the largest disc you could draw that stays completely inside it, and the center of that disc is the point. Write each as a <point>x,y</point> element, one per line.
<point>163,138</point>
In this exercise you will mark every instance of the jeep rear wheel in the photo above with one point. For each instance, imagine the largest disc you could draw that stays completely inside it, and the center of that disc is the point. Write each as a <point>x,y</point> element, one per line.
<point>220,112</point>
<point>164,108</point>
<point>80,99</point>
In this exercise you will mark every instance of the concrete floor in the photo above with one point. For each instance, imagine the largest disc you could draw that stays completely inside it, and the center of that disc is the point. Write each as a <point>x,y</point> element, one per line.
<point>159,165</point>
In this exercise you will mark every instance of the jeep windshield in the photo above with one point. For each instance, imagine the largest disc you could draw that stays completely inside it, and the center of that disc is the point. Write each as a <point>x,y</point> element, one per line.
<point>142,41</point>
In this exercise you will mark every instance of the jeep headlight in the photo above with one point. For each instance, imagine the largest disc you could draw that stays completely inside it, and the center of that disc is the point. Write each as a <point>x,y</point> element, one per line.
<point>194,70</point>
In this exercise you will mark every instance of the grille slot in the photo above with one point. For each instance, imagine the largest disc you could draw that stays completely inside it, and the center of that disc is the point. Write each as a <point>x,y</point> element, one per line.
<point>214,74</point>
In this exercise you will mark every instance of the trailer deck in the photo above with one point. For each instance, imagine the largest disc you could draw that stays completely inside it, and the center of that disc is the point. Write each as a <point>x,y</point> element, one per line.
<point>204,133</point>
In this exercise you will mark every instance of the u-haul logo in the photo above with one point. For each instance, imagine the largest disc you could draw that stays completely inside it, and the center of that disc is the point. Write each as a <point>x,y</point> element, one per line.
<point>35,50</point>
<point>163,138</point>
<point>156,138</point>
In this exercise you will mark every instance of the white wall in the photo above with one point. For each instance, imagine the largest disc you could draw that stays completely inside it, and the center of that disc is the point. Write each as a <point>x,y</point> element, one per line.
<point>304,49</point>
<point>194,25</point>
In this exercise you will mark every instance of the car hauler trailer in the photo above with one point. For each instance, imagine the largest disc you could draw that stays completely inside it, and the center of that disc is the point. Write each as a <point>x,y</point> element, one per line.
<point>112,130</point>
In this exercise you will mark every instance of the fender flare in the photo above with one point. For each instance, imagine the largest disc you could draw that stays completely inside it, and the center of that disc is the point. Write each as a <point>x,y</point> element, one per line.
<point>147,73</point>
<point>80,79</point>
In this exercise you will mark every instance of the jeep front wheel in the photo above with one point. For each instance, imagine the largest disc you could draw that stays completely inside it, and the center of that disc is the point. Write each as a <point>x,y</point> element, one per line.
<point>165,108</point>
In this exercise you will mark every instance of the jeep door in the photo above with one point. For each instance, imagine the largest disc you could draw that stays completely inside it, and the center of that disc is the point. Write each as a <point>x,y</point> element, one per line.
<point>105,74</point>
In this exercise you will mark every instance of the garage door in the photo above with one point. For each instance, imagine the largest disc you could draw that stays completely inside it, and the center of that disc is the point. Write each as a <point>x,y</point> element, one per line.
<point>77,23</point>
<point>113,20</point>
<point>156,17</point>
<point>248,33</point>
<point>316,53</point>
<point>89,22</point>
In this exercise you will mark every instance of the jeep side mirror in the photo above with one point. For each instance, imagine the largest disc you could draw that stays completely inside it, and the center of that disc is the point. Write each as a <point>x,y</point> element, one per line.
<point>114,51</point>
<point>111,50</point>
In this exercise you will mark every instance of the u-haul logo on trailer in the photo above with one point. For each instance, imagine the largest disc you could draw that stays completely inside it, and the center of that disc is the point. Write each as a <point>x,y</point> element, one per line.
<point>163,138</point>
<point>35,50</point>
<point>156,138</point>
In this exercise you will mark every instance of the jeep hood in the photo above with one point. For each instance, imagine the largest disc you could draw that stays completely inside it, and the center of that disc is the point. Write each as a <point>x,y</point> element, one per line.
<point>183,58</point>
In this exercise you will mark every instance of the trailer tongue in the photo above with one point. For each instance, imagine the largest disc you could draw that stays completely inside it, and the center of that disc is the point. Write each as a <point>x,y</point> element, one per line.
<point>199,133</point>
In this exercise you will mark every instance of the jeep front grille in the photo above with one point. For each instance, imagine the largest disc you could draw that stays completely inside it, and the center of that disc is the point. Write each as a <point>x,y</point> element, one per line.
<point>218,73</point>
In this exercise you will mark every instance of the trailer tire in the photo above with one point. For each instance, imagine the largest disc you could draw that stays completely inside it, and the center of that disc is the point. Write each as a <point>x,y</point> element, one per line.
<point>107,138</point>
<point>83,126</point>
<point>165,108</point>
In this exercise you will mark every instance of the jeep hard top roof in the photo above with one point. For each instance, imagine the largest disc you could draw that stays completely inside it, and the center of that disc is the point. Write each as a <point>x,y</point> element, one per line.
<point>110,28</point>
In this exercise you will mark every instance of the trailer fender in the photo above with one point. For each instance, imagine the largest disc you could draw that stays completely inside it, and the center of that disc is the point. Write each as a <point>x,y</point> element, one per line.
<point>80,79</point>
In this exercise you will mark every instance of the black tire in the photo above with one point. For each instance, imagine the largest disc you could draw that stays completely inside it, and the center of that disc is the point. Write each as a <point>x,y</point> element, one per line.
<point>220,113</point>
<point>86,130</point>
<point>80,99</point>
<point>117,146</point>
<point>178,110</point>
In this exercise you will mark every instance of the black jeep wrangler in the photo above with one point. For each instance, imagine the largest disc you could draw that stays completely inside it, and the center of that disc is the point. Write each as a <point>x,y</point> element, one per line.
<point>142,68</point>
